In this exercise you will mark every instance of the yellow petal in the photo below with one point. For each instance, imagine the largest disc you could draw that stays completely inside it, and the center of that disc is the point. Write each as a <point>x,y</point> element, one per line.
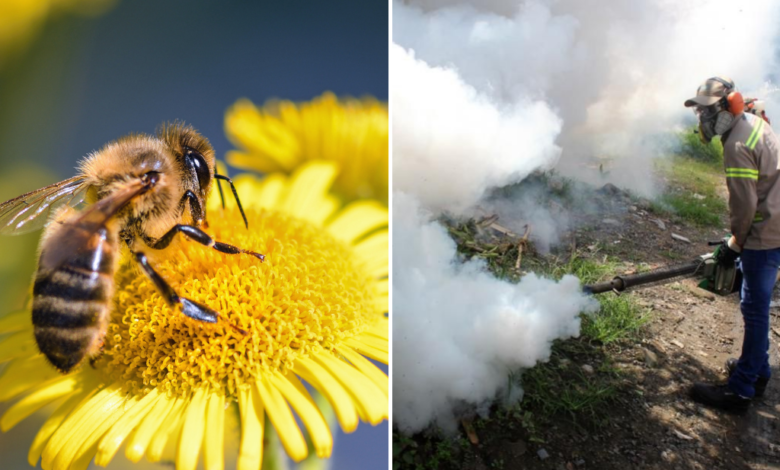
<point>139,441</point>
<point>252,161</point>
<point>380,329</point>
<point>53,423</point>
<point>365,393</point>
<point>44,395</point>
<point>381,304</point>
<point>250,454</point>
<point>374,342</point>
<point>311,416</point>
<point>382,286</point>
<point>77,425</point>
<point>168,446</point>
<point>15,321</point>
<point>322,209</point>
<point>111,442</point>
<point>282,418</point>
<point>307,185</point>
<point>19,344</point>
<point>77,455</point>
<point>86,410</point>
<point>358,219</point>
<point>22,374</point>
<point>374,252</point>
<point>191,436</point>
<point>266,137</point>
<point>264,194</point>
<point>214,437</point>
<point>275,141</point>
<point>368,351</point>
<point>366,367</point>
<point>169,428</point>
<point>327,385</point>
<point>84,457</point>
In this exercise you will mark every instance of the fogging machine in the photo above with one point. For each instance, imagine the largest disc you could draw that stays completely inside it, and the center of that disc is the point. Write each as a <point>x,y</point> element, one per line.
<point>717,278</point>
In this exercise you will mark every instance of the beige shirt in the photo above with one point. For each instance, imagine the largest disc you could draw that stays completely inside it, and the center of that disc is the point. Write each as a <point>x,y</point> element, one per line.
<point>751,153</point>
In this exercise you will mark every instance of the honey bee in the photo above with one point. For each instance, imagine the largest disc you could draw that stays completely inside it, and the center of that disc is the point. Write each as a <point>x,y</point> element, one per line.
<point>140,190</point>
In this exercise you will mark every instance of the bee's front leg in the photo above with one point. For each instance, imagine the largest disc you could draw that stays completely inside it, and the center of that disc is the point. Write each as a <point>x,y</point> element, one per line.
<point>196,209</point>
<point>198,235</point>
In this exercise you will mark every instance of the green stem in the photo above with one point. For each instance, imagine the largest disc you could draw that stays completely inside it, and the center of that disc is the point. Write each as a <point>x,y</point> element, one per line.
<point>273,453</point>
<point>312,462</point>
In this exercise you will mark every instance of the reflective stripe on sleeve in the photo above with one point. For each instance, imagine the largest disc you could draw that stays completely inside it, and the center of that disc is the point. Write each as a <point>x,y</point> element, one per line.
<point>755,135</point>
<point>742,173</point>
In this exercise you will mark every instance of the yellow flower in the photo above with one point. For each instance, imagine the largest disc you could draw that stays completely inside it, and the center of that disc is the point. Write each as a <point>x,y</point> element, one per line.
<point>312,311</point>
<point>20,20</point>
<point>280,136</point>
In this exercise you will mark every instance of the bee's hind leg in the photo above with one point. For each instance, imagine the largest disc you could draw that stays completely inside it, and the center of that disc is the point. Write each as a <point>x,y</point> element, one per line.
<point>96,357</point>
<point>190,308</point>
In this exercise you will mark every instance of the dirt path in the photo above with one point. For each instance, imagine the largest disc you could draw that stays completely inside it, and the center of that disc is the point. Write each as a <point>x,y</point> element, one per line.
<point>691,335</point>
<point>759,430</point>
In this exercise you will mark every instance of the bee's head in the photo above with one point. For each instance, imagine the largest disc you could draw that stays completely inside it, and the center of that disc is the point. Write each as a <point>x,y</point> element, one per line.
<point>195,157</point>
<point>193,153</point>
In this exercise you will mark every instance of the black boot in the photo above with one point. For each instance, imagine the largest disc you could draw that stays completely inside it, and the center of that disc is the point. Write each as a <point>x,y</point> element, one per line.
<point>759,386</point>
<point>719,396</point>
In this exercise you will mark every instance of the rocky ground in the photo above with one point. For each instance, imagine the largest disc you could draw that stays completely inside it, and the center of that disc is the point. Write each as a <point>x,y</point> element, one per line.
<point>648,422</point>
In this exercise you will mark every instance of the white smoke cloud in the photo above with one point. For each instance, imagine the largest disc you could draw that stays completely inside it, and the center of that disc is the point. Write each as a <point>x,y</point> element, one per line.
<point>453,143</point>
<point>486,92</point>
<point>616,73</point>
<point>458,331</point>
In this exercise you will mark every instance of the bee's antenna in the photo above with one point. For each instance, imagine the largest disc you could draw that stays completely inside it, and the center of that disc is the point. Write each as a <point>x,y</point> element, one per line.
<point>235,194</point>
<point>219,186</point>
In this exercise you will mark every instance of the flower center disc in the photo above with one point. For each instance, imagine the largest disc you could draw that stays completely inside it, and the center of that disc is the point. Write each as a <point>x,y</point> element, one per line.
<point>309,294</point>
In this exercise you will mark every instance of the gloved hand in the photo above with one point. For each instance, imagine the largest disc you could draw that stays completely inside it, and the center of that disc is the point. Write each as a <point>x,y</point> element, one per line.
<point>728,252</point>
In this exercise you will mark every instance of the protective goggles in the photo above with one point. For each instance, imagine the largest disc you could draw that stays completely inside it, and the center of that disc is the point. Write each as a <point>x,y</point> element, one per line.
<point>705,113</point>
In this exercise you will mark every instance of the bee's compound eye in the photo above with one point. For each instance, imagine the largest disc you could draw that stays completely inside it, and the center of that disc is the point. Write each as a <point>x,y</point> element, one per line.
<point>201,168</point>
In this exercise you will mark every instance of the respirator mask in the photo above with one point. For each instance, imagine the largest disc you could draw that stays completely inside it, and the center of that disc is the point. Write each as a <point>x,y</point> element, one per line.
<point>713,120</point>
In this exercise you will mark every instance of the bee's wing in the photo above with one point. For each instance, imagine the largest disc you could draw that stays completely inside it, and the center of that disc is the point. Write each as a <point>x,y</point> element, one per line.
<point>87,229</point>
<point>31,211</point>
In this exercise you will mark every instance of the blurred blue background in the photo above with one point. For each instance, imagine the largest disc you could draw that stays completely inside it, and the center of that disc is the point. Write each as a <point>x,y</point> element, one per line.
<point>83,81</point>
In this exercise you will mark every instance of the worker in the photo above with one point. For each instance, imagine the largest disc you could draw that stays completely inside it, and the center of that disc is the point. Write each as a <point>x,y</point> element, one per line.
<point>751,153</point>
<point>757,107</point>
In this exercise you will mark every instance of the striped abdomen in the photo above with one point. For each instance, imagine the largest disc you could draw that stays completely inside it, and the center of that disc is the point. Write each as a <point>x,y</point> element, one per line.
<point>71,301</point>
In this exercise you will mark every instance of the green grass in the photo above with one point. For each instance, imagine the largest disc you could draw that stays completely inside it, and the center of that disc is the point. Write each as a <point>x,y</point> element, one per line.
<point>586,269</point>
<point>558,389</point>
<point>620,318</point>
<point>430,452</point>
<point>705,213</point>
<point>688,178</point>
<point>691,146</point>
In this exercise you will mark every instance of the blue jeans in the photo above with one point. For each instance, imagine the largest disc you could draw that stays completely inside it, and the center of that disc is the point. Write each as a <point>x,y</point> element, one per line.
<point>759,272</point>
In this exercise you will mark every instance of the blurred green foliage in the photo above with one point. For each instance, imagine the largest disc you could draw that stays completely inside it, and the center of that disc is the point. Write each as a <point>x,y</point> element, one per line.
<point>692,146</point>
<point>18,253</point>
<point>694,192</point>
